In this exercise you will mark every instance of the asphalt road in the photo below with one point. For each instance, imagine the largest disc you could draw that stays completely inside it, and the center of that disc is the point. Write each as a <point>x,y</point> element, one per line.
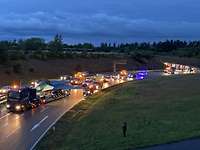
<point>193,144</point>
<point>23,131</point>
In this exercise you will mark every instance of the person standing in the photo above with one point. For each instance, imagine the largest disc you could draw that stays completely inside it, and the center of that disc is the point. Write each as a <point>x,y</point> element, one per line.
<point>124,129</point>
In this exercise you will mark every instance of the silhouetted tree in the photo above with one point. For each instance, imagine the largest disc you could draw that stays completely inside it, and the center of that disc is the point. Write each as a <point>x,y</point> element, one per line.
<point>34,44</point>
<point>57,43</point>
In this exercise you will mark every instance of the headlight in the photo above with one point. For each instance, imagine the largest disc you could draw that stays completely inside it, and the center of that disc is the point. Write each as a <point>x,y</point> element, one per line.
<point>3,91</point>
<point>66,92</point>
<point>18,107</point>
<point>8,106</point>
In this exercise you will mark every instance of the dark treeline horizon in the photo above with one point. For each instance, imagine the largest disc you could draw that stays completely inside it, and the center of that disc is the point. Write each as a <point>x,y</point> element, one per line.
<point>36,43</point>
<point>38,48</point>
<point>57,44</point>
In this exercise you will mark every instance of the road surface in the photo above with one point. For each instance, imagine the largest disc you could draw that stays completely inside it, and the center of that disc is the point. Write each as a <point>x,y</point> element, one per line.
<point>193,144</point>
<point>23,131</point>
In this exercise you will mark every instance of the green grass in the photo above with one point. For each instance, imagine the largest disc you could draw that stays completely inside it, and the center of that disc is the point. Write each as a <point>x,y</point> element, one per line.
<point>157,111</point>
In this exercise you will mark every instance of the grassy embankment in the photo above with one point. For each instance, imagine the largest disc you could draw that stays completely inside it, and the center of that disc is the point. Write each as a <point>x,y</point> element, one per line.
<point>157,111</point>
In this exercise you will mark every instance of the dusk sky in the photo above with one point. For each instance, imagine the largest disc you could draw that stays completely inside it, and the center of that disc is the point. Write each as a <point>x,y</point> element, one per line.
<point>100,20</point>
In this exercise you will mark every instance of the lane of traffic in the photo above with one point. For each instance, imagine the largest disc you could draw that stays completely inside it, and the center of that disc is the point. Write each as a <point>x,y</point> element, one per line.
<point>34,123</point>
<point>25,130</point>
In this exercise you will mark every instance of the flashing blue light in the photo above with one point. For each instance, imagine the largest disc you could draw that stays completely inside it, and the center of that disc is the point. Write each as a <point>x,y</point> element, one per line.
<point>131,75</point>
<point>143,72</point>
<point>140,75</point>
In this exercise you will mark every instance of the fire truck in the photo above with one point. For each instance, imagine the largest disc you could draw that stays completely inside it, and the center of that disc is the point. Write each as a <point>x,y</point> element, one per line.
<point>79,78</point>
<point>123,74</point>
<point>169,68</point>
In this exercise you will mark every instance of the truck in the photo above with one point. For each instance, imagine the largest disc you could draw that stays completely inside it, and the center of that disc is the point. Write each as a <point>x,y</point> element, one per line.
<point>53,95</point>
<point>92,88</point>
<point>100,78</point>
<point>169,68</point>
<point>79,78</point>
<point>21,99</point>
<point>123,74</point>
<point>76,81</point>
<point>52,90</point>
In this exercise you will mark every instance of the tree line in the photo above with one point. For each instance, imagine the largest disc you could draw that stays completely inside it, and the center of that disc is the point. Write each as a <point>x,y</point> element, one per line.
<point>39,45</point>
<point>57,43</point>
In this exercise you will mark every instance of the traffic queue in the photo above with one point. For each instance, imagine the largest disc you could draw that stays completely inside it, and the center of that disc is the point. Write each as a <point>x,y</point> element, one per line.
<point>172,68</point>
<point>21,98</point>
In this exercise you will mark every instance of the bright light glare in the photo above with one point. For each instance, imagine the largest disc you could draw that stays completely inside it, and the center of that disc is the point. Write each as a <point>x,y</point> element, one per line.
<point>18,107</point>
<point>15,86</point>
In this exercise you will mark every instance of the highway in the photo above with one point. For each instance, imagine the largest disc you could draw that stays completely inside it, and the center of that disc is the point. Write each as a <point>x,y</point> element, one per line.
<point>23,131</point>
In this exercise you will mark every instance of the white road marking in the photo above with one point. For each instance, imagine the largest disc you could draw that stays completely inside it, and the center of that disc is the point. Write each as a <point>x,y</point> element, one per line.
<point>12,132</point>
<point>38,124</point>
<point>5,125</point>
<point>51,125</point>
<point>3,110</point>
<point>5,116</point>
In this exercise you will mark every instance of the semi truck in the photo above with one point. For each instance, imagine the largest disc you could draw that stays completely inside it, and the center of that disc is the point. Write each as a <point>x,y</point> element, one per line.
<point>52,90</point>
<point>52,95</point>
<point>22,99</point>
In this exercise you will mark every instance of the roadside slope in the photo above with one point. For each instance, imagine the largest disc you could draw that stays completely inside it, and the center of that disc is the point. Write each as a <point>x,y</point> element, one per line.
<point>157,111</point>
<point>44,69</point>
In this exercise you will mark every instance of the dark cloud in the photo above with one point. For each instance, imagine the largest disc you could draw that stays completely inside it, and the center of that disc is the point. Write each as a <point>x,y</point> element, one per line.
<point>94,27</point>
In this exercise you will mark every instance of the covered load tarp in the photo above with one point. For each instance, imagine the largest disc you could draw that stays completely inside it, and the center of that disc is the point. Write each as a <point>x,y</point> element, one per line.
<point>43,86</point>
<point>61,85</point>
<point>53,85</point>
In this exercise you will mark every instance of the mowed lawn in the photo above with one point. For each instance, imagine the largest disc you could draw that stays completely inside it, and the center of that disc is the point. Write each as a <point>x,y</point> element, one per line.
<point>157,111</point>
